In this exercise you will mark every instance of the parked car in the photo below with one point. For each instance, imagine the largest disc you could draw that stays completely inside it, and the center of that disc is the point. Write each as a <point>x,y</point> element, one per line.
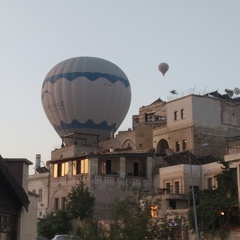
<point>66,237</point>
<point>62,237</point>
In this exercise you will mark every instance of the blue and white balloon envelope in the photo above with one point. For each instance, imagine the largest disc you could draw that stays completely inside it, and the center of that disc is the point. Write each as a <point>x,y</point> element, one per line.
<point>86,95</point>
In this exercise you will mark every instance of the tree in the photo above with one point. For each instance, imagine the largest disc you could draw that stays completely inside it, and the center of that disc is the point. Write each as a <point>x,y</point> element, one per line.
<point>215,206</point>
<point>139,218</point>
<point>54,223</point>
<point>80,202</point>
<point>79,205</point>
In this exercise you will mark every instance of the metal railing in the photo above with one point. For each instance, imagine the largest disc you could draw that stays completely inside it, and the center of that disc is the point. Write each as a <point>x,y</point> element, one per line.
<point>174,191</point>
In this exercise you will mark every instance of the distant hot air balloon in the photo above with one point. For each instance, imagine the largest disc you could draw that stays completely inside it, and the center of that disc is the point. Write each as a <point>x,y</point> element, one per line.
<point>86,95</point>
<point>163,68</point>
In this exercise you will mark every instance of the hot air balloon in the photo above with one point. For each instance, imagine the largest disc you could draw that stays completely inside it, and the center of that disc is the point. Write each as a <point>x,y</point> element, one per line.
<point>163,68</point>
<point>86,95</point>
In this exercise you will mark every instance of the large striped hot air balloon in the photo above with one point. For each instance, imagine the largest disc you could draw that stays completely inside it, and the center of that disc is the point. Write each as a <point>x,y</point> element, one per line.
<point>86,95</point>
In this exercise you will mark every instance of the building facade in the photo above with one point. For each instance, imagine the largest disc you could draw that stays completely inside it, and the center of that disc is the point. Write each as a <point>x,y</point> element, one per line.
<point>154,153</point>
<point>18,206</point>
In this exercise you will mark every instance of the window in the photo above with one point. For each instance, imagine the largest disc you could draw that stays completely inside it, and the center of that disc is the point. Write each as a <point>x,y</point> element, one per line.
<point>168,188</point>
<point>80,166</point>
<point>135,169</point>
<point>184,144</point>
<point>76,167</point>
<point>175,115</point>
<point>103,168</point>
<point>55,207</point>
<point>177,146</point>
<point>65,169</point>
<point>40,195</point>
<point>40,214</point>
<point>84,165</point>
<point>172,204</point>
<point>176,187</point>
<point>60,169</point>
<point>182,113</point>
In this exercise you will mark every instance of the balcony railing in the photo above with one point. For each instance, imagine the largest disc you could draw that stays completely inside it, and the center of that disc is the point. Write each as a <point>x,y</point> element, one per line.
<point>173,191</point>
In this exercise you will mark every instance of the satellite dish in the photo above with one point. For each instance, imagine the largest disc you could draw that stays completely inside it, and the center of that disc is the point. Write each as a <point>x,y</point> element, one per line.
<point>236,90</point>
<point>163,68</point>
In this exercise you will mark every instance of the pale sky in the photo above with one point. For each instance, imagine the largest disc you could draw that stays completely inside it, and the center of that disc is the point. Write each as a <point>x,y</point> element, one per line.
<point>200,40</point>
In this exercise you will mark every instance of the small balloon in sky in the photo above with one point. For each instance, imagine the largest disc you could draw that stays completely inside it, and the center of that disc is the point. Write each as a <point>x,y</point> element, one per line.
<point>163,68</point>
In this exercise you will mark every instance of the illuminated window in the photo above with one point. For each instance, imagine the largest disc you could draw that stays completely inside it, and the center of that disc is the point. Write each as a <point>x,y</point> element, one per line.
<point>84,166</point>
<point>64,169</point>
<point>154,211</point>
<point>60,169</point>
<point>80,166</point>
<point>76,167</point>
<point>55,170</point>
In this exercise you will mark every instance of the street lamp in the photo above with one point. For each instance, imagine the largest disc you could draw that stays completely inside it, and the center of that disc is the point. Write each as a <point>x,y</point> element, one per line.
<point>193,195</point>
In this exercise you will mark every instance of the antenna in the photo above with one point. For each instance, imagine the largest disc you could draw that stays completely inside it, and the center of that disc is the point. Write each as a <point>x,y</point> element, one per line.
<point>236,90</point>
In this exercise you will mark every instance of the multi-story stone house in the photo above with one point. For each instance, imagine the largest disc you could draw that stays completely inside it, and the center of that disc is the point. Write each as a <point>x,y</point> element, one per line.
<point>18,206</point>
<point>155,153</point>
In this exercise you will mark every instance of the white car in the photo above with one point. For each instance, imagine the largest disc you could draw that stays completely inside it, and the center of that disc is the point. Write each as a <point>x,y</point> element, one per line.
<point>65,237</point>
<point>61,237</point>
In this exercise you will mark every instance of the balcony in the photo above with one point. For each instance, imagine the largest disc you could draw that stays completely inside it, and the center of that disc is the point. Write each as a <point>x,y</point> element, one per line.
<point>174,193</point>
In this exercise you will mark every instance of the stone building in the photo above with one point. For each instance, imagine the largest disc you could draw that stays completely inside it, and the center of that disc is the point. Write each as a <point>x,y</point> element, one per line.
<point>18,206</point>
<point>154,153</point>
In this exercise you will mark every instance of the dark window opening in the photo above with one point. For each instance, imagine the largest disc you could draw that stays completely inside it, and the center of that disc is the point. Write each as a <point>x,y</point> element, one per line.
<point>172,204</point>
<point>55,207</point>
<point>108,167</point>
<point>135,169</point>
<point>40,195</point>
<point>168,188</point>
<point>177,146</point>
<point>59,170</point>
<point>176,187</point>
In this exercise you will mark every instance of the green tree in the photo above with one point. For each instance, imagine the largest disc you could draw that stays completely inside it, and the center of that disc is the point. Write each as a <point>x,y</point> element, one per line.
<point>57,222</point>
<point>215,206</point>
<point>79,205</point>
<point>80,202</point>
<point>139,218</point>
